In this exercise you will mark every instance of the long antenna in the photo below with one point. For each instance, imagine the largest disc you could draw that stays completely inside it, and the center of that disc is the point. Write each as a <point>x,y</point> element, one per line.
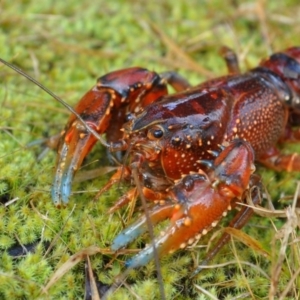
<point>70,108</point>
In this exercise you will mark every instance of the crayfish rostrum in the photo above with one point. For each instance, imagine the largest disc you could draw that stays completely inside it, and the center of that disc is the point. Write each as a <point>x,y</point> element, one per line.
<point>193,150</point>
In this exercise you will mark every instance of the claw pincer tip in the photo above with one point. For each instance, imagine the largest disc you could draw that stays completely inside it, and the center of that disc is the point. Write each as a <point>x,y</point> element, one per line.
<point>128,235</point>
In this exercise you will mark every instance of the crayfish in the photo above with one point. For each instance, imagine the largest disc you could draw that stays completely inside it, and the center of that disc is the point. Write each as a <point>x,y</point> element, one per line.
<point>194,151</point>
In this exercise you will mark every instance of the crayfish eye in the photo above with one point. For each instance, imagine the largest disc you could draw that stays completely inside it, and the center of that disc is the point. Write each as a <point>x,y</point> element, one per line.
<point>188,183</point>
<point>155,133</point>
<point>129,117</point>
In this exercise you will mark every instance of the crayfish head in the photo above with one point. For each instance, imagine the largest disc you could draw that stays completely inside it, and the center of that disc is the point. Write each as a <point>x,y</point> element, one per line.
<point>145,141</point>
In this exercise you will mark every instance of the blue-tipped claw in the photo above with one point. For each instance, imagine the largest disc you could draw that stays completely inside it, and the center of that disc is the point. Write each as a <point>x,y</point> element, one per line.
<point>158,214</point>
<point>141,259</point>
<point>58,193</point>
<point>129,234</point>
<point>201,201</point>
<point>72,151</point>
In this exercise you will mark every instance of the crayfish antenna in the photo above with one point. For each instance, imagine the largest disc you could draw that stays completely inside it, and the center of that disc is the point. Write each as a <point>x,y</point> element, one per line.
<point>123,168</point>
<point>151,233</point>
<point>57,98</point>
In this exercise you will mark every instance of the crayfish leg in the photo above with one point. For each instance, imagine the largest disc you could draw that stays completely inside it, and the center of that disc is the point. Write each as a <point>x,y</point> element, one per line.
<point>178,82</point>
<point>275,160</point>
<point>122,173</point>
<point>132,194</point>
<point>231,60</point>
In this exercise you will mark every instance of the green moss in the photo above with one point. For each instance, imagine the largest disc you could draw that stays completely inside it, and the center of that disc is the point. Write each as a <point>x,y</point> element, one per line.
<point>67,46</point>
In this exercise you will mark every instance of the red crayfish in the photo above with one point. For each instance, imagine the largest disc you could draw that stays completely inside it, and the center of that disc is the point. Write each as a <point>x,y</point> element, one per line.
<point>193,150</point>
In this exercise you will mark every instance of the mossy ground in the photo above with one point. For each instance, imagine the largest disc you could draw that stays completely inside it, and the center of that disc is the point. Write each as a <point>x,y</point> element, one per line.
<point>66,46</point>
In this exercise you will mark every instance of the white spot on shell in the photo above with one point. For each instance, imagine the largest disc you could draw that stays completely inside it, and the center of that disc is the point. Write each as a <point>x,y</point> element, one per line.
<point>190,241</point>
<point>198,236</point>
<point>214,224</point>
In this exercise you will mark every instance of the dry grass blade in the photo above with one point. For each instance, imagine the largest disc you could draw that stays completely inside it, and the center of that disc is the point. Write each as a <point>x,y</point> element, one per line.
<point>284,234</point>
<point>91,278</point>
<point>185,61</point>
<point>262,17</point>
<point>91,174</point>
<point>205,292</point>
<point>247,240</point>
<point>69,264</point>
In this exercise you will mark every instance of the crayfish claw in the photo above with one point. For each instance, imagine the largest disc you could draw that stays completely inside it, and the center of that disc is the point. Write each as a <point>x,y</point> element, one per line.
<point>199,201</point>
<point>114,94</point>
<point>73,150</point>
<point>158,213</point>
